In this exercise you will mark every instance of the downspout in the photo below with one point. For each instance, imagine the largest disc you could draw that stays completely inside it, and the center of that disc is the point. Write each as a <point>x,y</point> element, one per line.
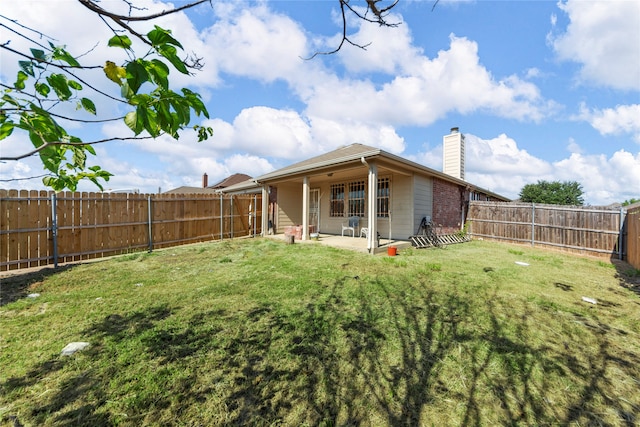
<point>371,204</point>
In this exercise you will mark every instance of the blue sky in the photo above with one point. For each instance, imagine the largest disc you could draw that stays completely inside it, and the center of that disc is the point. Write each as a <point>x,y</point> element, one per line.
<point>541,89</point>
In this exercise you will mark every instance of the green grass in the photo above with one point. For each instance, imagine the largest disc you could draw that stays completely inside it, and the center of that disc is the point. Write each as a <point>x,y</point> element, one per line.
<point>257,332</point>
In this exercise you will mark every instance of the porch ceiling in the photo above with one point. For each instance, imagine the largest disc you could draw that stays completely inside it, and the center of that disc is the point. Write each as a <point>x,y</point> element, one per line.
<point>343,171</point>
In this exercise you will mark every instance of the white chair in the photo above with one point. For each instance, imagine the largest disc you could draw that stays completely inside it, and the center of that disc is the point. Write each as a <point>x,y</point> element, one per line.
<point>351,226</point>
<point>364,231</point>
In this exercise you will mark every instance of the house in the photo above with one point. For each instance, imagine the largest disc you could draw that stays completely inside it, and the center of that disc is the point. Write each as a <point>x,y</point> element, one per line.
<point>234,179</point>
<point>389,195</point>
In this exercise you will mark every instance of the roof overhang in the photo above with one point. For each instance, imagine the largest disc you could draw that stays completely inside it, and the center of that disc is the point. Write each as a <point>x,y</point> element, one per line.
<point>384,161</point>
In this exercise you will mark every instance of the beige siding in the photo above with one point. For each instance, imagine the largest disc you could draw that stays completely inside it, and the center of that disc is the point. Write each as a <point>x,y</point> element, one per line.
<point>405,215</point>
<point>423,199</point>
<point>401,209</point>
<point>289,206</point>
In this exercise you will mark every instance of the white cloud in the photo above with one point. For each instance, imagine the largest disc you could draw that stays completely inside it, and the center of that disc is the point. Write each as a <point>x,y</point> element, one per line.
<point>604,37</point>
<point>387,49</point>
<point>604,180</point>
<point>428,90</point>
<point>621,120</point>
<point>257,43</point>
<point>499,165</point>
<point>573,147</point>
<point>271,132</point>
<point>501,155</point>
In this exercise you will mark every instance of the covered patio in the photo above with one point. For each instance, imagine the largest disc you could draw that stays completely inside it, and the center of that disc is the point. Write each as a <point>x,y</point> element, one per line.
<point>358,244</point>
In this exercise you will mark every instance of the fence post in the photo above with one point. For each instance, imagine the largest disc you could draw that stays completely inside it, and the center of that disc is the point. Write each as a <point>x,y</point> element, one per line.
<point>231,216</point>
<point>533,224</point>
<point>149,222</point>
<point>54,229</point>
<point>621,235</point>
<point>255,214</point>
<point>221,218</point>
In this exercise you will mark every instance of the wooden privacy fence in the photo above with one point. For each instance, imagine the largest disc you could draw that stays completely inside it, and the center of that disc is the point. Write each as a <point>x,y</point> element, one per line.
<point>40,228</point>
<point>633,237</point>
<point>598,231</point>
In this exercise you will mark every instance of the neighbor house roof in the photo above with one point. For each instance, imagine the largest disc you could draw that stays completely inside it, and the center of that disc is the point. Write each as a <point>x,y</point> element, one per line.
<point>356,153</point>
<point>230,180</point>
<point>190,190</point>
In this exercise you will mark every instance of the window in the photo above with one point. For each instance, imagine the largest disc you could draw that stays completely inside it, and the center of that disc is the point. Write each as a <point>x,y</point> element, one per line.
<point>336,200</point>
<point>383,198</point>
<point>356,198</point>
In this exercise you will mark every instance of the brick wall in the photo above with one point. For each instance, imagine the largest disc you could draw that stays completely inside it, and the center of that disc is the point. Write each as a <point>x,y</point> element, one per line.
<point>447,206</point>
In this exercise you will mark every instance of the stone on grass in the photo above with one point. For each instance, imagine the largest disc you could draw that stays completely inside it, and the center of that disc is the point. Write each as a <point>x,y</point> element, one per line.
<point>33,295</point>
<point>72,347</point>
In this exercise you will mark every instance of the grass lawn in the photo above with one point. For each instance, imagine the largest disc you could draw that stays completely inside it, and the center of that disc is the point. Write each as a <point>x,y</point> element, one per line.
<point>257,332</point>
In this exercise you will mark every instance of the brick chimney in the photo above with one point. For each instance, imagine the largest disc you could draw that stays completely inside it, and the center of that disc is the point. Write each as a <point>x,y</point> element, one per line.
<point>205,181</point>
<point>453,154</point>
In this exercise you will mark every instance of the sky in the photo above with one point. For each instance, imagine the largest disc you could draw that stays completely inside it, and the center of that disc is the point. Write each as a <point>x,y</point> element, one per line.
<point>542,90</point>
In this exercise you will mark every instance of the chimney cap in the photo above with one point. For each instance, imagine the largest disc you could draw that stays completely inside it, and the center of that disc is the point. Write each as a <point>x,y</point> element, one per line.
<point>455,129</point>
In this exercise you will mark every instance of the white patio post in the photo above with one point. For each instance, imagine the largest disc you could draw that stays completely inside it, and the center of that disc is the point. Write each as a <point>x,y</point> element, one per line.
<point>372,207</point>
<point>265,211</point>
<point>305,208</point>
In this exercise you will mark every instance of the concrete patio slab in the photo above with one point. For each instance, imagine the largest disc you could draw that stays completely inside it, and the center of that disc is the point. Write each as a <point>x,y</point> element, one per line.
<point>352,243</point>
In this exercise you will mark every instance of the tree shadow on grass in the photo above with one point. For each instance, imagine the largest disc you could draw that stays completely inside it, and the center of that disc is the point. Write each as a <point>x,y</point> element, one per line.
<point>529,379</point>
<point>15,286</point>
<point>628,276</point>
<point>79,398</point>
<point>361,352</point>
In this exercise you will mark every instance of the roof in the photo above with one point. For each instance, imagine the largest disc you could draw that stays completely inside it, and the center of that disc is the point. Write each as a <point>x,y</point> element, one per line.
<point>190,190</point>
<point>250,186</point>
<point>230,180</point>
<point>356,153</point>
<point>345,154</point>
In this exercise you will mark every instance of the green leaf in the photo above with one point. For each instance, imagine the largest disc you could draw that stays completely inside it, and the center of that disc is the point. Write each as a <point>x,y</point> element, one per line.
<point>43,89</point>
<point>159,36</point>
<point>140,99</point>
<point>88,105</point>
<point>131,120</point>
<point>114,72</point>
<point>60,85</point>
<point>148,119</point>
<point>21,78</point>
<point>120,41</point>
<point>10,100</point>
<point>170,53</point>
<point>136,74</point>
<point>38,54</point>
<point>61,54</point>
<point>195,102</point>
<point>75,85</point>
<point>27,67</point>
<point>6,129</point>
<point>79,158</point>
<point>158,71</point>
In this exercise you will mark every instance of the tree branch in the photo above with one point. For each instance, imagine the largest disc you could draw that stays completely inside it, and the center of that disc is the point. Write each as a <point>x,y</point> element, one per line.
<point>71,144</point>
<point>66,69</point>
<point>59,116</point>
<point>371,6</point>
<point>25,179</point>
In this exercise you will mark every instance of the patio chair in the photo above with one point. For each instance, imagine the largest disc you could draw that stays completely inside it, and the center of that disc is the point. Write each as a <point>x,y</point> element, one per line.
<point>364,231</point>
<point>351,226</point>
